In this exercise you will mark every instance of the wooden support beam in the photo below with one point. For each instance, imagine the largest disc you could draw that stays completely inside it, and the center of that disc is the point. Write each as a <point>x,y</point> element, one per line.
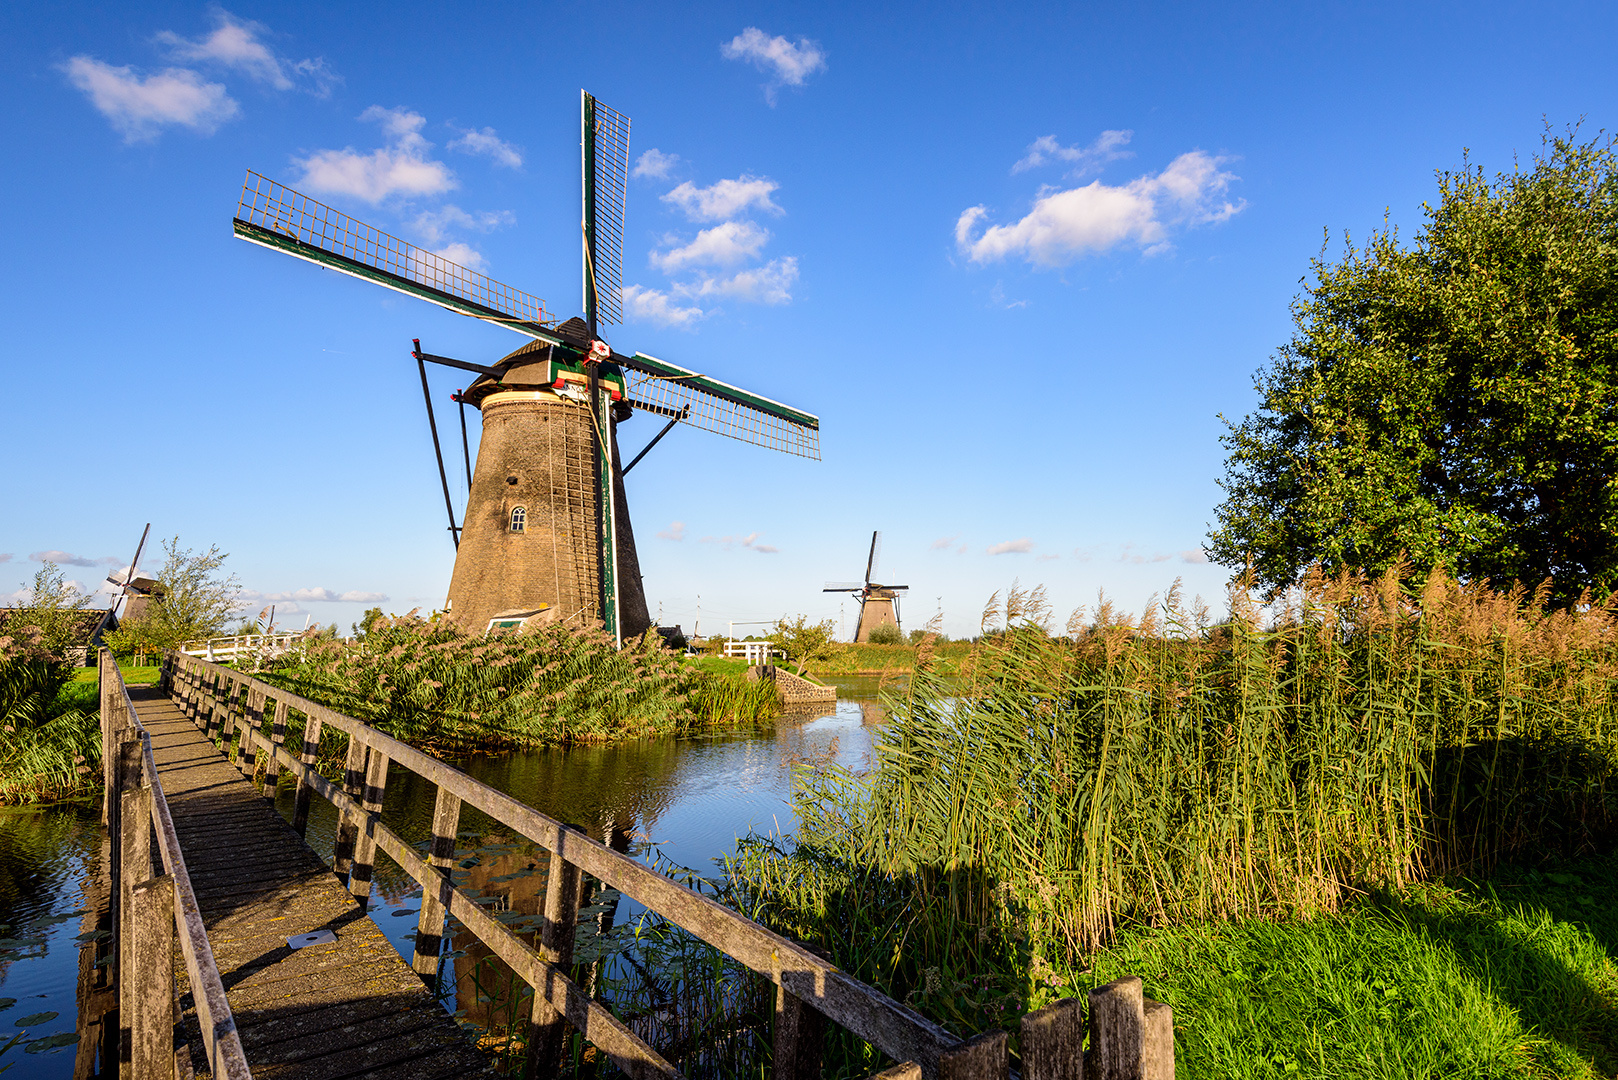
<point>1131,1037</point>
<point>800,1037</point>
<point>307,758</point>
<point>348,823</point>
<point>440,854</point>
<point>147,1008</point>
<point>564,888</point>
<point>982,1058</point>
<point>1053,1042</point>
<point>376,780</point>
<point>278,738</point>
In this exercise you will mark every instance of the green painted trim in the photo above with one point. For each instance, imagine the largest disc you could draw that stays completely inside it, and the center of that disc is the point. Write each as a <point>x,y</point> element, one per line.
<point>651,365</point>
<point>587,124</point>
<point>269,238</point>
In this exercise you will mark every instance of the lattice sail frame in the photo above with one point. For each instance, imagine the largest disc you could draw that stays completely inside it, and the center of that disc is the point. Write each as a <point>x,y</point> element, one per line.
<point>610,145</point>
<point>664,388</point>
<point>276,216</point>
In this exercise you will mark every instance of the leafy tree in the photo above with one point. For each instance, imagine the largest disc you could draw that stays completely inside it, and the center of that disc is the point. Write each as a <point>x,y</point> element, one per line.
<point>804,642</point>
<point>53,606</point>
<point>885,634</point>
<point>1450,402</point>
<point>368,621</point>
<point>194,600</point>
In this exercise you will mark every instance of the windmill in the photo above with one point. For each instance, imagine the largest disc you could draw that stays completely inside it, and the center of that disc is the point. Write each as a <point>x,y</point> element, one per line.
<point>136,592</point>
<point>879,604</point>
<point>545,534</point>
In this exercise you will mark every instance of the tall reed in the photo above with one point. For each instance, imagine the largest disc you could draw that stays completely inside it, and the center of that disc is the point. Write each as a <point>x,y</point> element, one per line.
<point>1171,770</point>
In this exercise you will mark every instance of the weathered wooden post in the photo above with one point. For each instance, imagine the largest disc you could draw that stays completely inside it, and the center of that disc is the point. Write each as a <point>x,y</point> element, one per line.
<point>134,864</point>
<point>1053,1042</point>
<point>108,683</point>
<point>1131,1038</point>
<point>308,756</point>
<point>564,887</point>
<point>800,1029</point>
<point>252,724</point>
<point>440,853</point>
<point>210,686</point>
<point>278,738</point>
<point>376,780</point>
<point>147,1004</point>
<point>342,856</point>
<point>983,1057</point>
<point>233,700</point>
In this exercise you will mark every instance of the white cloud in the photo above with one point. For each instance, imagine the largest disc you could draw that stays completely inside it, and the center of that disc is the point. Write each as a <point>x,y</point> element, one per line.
<point>1108,146</point>
<point>1195,555</point>
<point>676,531</point>
<point>315,595</point>
<point>5,557</point>
<point>725,198</point>
<point>723,245</point>
<point>749,541</point>
<point>402,168</point>
<point>463,254</point>
<point>944,542</point>
<point>67,558</point>
<point>1011,547</point>
<point>655,165</point>
<point>768,284</point>
<point>788,63</point>
<point>140,106</point>
<point>490,145</point>
<point>1066,224</point>
<point>434,225</point>
<point>656,307</point>
<point>234,43</point>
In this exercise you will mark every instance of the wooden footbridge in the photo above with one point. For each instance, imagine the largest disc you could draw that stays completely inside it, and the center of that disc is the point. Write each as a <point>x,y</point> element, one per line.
<point>236,952</point>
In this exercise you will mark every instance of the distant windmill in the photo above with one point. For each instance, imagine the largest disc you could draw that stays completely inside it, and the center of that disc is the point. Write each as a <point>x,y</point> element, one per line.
<point>879,604</point>
<point>136,593</point>
<point>546,532</point>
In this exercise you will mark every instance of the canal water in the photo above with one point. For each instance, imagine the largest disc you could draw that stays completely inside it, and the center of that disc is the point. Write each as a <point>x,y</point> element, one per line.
<point>672,802</point>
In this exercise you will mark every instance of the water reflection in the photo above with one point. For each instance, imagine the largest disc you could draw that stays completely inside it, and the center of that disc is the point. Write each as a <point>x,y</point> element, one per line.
<point>685,801</point>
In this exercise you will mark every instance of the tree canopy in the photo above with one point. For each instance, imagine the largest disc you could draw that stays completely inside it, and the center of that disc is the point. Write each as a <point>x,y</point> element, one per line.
<point>1449,402</point>
<point>194,599</point>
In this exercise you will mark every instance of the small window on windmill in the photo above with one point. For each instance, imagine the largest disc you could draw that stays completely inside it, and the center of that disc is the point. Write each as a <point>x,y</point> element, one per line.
<point>519,519</point>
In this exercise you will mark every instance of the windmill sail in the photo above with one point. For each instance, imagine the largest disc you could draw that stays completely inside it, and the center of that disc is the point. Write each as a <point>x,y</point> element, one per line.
<point>664,388</point>
<point>606,183</point>
<point>276,216</point>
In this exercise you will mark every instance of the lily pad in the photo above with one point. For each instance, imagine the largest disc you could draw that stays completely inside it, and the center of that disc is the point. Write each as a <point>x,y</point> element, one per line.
<point>6,1003</point>
<point>404,911</point>
<point>35,1019</point>
<point>51,1042</point>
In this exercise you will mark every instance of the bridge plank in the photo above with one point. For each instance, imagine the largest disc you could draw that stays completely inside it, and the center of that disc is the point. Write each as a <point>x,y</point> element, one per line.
<point>328,1012</point>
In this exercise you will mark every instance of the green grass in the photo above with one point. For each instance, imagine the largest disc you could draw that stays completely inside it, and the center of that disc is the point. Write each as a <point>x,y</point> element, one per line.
<point>717,665</point>
<point>1511,978</point>
<point>134,676</point>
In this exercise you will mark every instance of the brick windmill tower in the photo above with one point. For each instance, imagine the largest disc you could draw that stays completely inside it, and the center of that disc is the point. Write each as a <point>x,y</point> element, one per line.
<point>879,604</point>
<point>546,534</point>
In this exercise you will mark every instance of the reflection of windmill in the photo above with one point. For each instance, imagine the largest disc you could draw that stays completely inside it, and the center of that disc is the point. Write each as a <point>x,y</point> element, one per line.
<point>546,531</point>
<point>879,604</point>
<point>137,592</point>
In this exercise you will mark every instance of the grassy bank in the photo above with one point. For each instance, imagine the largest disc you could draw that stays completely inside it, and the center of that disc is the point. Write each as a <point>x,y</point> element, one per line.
<point>433,687</point>
<point>50,735</point>
<point>949,657</point>
<point>1173,796</point>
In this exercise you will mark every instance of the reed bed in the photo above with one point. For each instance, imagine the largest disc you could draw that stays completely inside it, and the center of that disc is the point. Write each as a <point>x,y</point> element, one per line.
<point>432,686</point>
<point>1169,770</point>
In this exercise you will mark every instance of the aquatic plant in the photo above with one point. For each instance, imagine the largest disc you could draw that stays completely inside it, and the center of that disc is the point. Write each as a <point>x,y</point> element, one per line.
<point>50,746</point>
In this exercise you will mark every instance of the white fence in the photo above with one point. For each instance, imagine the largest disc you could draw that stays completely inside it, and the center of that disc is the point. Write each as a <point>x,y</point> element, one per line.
<point>257,647</point>
<point>754,652</point>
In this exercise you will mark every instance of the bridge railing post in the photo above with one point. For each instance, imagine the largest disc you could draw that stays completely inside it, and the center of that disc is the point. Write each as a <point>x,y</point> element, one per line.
<point>232,696</point>
<point>376,781</point>
<point>210,698</point>
<point>133,865</point>
<point>278,738</point>
<point>564,888</point>
<point>147,1004</point>
<point>434,907</point>
<point>800,1036</point>
<point>252,727</point>
<point>348,825</point>
<point>308,756</point>
<point>1131,1037</point>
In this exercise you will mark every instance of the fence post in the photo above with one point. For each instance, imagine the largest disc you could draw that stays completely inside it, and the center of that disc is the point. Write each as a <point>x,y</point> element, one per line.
<point>376,780</point>
<point>1053,1042</point>
<point>800,1037</point>
<point>247,749</point>
<point>278,738</point>
<point>109,759</point>
<point>134,865</point>
<point>981,1058</point>
<point>311,751</point>
<point>233,699</point>
<point>440,853</point>
<point>147,1007</point>
<point>564,887</point>
<point>348,826</point>
<point>1131,1038</point>
<point>211,700</point>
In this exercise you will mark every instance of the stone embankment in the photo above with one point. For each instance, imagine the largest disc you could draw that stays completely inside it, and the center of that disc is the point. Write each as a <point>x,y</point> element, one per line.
<point>792,689</point>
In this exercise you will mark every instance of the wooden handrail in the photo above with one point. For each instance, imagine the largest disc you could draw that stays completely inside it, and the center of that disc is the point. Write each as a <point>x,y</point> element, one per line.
<point>143,794</point>
<point>892,1027</point>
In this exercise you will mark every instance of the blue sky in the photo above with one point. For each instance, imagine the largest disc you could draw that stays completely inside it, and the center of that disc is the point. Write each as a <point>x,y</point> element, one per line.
<point>1018,259</point>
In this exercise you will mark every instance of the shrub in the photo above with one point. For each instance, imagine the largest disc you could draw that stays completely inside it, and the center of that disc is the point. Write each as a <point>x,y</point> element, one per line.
<point>886,634</point>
